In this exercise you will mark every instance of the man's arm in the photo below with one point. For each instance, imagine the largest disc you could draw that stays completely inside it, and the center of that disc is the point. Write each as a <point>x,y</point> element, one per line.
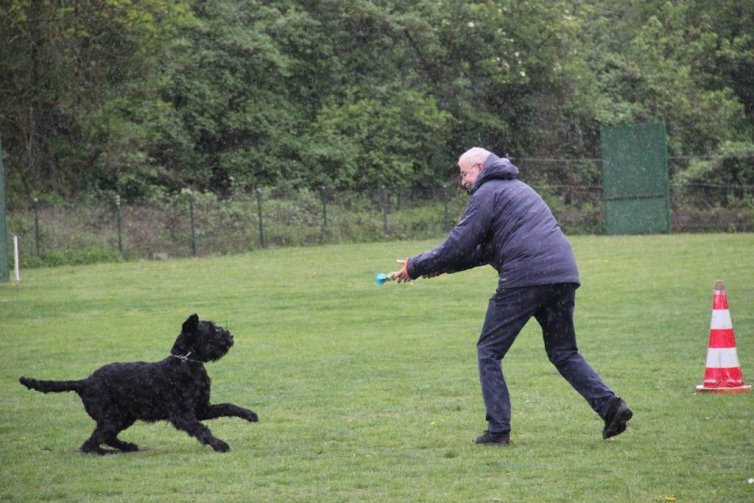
<point>482,255</point>
<point>466,245</point>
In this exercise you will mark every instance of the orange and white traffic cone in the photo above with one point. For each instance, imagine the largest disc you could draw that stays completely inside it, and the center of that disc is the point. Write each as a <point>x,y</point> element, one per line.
<point>723,373</point>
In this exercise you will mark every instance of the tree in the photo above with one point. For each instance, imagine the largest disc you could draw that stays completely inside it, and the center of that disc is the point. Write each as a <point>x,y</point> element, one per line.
<point>663,71</point>
<point>138,97</point>
<point>222,90</point>
<point>378,141</point>
<point>77,84</point>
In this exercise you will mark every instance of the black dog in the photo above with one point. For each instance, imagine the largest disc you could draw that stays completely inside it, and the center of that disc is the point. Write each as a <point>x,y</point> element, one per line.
<point>174,389</point>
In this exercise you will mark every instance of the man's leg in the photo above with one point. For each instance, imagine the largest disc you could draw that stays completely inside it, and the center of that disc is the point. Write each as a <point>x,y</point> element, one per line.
<point>507,313</point>
<point>556,319</point>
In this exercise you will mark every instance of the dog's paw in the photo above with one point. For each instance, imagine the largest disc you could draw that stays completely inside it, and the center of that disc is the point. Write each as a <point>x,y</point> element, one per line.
<point>220,446</point>
<point>128,447</point>
<point>94,450</point>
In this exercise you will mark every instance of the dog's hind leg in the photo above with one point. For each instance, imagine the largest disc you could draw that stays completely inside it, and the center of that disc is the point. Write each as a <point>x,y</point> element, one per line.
<point>92,444</point>
<point>113,441</point>
<point>111,437</point>
<point>193,427</point>
<point>228,410</point>
<point>107,433</point>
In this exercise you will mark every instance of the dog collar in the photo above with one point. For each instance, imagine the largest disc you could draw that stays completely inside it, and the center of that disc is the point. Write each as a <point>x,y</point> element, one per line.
<point>184,358</point>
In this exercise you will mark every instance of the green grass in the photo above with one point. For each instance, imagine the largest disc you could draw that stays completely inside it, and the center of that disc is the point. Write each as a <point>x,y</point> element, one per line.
<point>370,393</point>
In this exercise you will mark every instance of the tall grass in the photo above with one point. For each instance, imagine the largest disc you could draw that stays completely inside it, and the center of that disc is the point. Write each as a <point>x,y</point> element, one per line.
<point>370,393</point>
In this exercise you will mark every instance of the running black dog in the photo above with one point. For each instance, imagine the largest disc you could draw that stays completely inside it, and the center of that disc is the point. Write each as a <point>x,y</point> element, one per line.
<point>175,389</point>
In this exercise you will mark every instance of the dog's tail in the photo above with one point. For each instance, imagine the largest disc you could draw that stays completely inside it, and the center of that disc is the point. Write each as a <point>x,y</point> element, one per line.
<point>51,386</point>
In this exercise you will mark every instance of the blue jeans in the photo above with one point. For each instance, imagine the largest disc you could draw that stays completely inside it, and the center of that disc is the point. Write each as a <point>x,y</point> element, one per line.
<point>509,310</point>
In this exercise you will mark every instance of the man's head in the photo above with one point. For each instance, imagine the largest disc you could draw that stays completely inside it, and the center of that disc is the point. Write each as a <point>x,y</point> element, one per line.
<point>471,164</point>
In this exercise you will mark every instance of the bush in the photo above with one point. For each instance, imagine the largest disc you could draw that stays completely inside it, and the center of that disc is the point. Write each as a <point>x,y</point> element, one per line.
<point>76,257</point>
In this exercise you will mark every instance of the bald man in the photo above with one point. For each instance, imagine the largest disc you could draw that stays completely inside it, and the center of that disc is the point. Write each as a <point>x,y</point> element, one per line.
<point>507,225</point>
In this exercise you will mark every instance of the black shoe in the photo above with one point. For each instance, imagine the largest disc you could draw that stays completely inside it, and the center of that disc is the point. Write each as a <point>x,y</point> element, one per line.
<point>491,438</point>
<point>616,419</point>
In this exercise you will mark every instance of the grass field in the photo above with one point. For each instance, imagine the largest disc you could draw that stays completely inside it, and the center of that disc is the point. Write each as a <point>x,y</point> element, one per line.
<point>369,393</point>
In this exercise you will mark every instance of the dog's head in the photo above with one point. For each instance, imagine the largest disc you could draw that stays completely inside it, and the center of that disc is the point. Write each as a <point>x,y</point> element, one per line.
<point>203,339</point>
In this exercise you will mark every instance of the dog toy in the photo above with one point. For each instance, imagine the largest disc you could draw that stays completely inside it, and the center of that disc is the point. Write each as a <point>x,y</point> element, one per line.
<point>383,278</point>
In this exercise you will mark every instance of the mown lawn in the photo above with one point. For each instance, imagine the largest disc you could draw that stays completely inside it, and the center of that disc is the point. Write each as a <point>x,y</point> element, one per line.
<point>369,393</point>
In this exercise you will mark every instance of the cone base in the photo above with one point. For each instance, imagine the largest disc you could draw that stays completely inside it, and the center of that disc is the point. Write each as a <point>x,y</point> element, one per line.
<point>744,388</point>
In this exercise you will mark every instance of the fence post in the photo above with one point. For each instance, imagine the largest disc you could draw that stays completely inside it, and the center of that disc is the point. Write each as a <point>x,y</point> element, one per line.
<point>261,221</point>
<point>323,194</point>
<point>4,270</point>
<point>118,224</point>
<point>445,219</point>
<point>193,227</point>
<point>35,206</point>
<point>385,203</point>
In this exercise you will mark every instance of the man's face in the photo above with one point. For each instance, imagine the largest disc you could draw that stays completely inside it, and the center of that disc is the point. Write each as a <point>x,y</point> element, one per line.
<point>469,172</point>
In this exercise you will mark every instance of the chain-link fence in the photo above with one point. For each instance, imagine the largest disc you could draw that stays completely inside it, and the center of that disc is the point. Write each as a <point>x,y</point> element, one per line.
<point>191,224</point>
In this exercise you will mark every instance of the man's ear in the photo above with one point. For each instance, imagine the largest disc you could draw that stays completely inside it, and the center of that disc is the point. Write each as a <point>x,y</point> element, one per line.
<point>190,324</point>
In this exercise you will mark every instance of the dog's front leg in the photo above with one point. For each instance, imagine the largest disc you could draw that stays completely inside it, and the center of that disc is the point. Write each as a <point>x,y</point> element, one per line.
<point>193,427</point>
<point>229,410</point>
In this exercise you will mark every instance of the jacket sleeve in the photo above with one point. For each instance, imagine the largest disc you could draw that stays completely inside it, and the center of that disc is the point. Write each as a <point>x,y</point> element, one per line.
<point>466,246</point>
<point>482,255</point>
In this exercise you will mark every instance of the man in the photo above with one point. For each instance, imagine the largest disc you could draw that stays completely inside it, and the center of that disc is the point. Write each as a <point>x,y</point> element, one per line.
<point>507,224</point>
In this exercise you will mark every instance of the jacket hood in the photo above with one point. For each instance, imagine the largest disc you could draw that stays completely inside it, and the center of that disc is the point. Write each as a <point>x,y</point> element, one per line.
<point>495,168</point>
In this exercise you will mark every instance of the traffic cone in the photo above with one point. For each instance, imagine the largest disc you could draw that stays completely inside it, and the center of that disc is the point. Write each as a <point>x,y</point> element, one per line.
<point>723,373</point>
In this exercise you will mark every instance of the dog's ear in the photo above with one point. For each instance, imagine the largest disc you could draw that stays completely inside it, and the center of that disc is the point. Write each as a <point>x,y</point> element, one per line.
<point>190,324</point>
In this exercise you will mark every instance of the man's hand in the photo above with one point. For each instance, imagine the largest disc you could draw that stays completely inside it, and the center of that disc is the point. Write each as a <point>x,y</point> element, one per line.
<point>402,275</point>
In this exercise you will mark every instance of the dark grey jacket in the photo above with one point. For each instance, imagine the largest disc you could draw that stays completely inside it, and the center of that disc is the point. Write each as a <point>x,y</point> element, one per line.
<point>506,224</point>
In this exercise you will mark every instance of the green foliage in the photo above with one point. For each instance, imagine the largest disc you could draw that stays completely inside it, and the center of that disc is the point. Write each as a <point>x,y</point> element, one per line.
<point>582,216</point>
<point>718,191</point>
<point>732,166</point>
<point>663,72</point>
<point>370,393</point>
<point>505,71</point>
<point>145,97</point>
<point>75,257</point>
<point>228,93</point>
<point>77,87</point>
<point>380,141</point>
